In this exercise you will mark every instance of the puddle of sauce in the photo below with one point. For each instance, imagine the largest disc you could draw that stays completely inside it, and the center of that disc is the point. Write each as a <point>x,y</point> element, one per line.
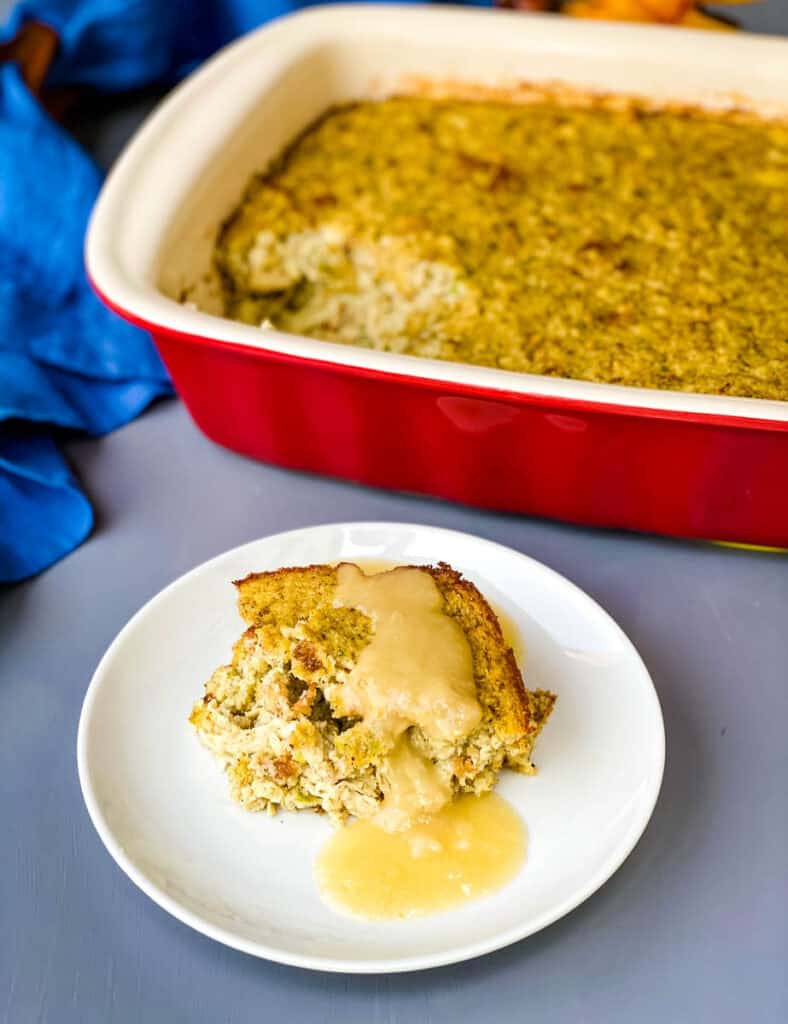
<point>469,849</point>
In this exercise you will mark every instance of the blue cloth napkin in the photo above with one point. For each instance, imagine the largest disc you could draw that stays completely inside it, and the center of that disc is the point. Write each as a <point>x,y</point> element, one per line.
<point>66,362</point>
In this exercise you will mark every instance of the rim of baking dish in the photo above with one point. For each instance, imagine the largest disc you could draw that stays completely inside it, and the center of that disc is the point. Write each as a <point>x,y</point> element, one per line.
<point>135,297</point>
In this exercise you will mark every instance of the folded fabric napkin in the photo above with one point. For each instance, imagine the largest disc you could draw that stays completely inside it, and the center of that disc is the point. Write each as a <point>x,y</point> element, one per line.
<point>66,362</point>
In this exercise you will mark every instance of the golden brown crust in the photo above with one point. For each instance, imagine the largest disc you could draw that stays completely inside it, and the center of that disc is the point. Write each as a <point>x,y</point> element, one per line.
<point>498,679</point>
<point>319,568</point>
<point>283,595</point>
<point>627,271</point>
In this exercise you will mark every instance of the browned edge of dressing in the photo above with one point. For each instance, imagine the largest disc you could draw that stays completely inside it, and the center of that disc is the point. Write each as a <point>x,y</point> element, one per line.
<point>729,105</point>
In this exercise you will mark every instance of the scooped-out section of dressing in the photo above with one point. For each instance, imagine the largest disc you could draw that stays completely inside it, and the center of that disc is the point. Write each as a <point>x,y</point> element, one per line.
<point>469,849</point>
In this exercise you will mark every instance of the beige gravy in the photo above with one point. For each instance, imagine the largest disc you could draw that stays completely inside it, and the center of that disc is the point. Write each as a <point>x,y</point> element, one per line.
<point>509,628</point>
<point>412,787</point>
<point>373,565</point>
<point>417,669</point>
<point>472,847</point>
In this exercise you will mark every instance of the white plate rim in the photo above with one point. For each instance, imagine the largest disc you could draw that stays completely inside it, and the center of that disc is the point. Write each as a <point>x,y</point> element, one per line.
<point>458,954</point>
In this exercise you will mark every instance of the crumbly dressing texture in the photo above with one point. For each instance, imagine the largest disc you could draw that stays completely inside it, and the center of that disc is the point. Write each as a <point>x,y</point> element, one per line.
<point>633,246</point>
<point>274,715</point>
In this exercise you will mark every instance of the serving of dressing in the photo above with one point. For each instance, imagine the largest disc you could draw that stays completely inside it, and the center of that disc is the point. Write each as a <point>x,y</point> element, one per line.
<point>422,851</point>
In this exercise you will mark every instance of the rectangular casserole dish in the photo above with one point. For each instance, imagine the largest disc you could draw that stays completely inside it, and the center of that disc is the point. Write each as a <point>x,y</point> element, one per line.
<point>686,465</point>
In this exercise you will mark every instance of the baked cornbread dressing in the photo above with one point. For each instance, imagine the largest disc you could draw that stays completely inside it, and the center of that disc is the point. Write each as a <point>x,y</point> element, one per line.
<point>380,696</point>
<point>594,240</point>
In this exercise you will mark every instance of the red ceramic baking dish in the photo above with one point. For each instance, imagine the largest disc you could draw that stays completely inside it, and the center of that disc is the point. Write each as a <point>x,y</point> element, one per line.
<point>687,465</point>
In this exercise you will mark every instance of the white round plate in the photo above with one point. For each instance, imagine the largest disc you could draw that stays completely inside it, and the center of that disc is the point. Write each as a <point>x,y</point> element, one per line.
<point>159,800</point>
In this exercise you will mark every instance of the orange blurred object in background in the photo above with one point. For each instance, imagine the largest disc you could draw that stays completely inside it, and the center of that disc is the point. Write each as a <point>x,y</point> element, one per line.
<point>664,12</point>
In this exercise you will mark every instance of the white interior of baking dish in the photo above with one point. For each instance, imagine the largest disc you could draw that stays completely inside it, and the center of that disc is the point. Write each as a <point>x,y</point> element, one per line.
<point>153,229</point>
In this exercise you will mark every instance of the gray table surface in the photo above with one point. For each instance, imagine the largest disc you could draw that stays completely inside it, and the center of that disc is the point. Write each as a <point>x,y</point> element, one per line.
<point>694,927</point>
